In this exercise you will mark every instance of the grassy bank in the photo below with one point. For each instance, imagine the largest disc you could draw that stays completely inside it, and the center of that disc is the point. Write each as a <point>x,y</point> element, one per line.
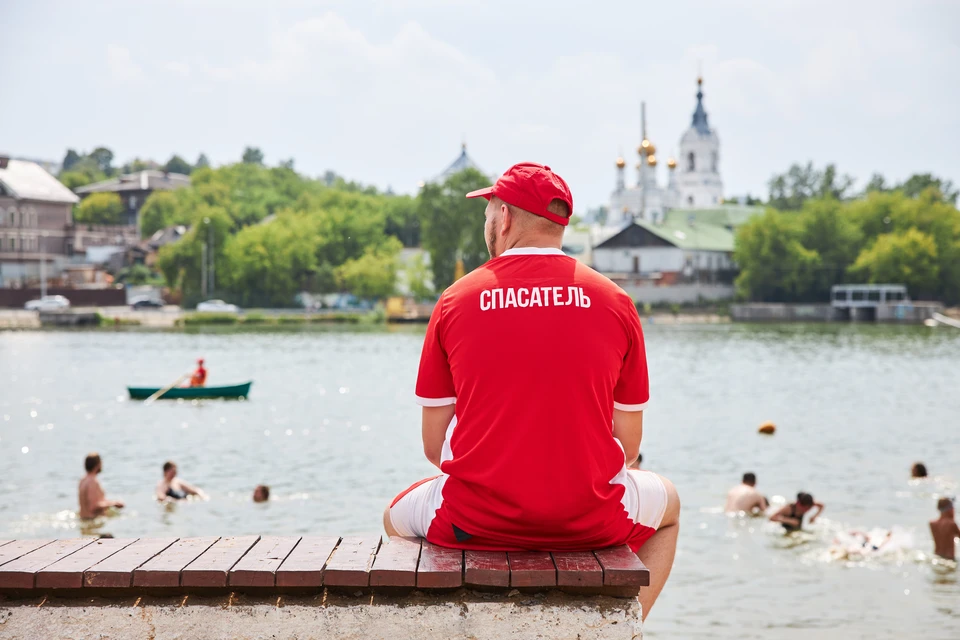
<point>262,319</point>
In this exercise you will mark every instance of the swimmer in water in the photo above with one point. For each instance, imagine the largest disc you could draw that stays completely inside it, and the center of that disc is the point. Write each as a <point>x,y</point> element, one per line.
<point>944,530</point>
<point>791,515</point>
<point>745,497</point>
<point>918,470</point>
<point>173,488</point>
<point>261,493</point>
<point>93,502</point>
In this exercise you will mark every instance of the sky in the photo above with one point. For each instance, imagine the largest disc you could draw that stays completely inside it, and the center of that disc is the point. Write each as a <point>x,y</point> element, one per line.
<point>384,91</point>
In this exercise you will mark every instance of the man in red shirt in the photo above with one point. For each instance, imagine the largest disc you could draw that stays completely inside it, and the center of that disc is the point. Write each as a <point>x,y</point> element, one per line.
<point>542,362</point>
<point>199,377</point>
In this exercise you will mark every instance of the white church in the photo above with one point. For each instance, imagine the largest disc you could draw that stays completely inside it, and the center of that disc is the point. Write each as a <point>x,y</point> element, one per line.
<point>694,180</point>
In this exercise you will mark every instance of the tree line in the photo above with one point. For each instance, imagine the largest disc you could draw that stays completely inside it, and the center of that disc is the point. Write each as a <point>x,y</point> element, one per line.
<point>272,232</point>
<point>818,231</point>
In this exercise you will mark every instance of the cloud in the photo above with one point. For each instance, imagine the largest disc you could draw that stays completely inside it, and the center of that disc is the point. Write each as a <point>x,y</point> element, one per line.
<point>181,69</point>
<point>121,64</point>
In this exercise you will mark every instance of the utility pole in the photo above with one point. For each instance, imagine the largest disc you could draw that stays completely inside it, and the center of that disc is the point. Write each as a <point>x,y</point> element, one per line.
<point>212,287</point>
<point>203,271</point>
<point>43,264</point>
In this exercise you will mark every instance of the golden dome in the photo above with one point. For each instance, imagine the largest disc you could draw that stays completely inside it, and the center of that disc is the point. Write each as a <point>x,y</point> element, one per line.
<point>672,163</point>
<point>652,160</point>
<point>646,147</point>
<point>621,163</point>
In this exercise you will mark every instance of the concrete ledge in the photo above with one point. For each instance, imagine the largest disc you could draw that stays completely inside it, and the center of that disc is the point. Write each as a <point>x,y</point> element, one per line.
<point>461,614</point>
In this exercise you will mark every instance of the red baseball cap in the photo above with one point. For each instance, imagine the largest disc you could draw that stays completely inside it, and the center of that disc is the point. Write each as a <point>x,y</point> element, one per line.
<point>531,187</point>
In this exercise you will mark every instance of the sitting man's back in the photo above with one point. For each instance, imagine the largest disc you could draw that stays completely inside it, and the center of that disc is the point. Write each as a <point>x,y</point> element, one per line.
<point>542,361</point>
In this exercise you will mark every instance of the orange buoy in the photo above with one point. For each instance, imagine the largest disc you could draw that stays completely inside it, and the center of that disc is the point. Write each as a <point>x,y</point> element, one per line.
<point>767,428</point>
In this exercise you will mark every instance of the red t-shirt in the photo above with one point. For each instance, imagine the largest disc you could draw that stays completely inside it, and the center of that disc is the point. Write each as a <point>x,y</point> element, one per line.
<point>536,350</point>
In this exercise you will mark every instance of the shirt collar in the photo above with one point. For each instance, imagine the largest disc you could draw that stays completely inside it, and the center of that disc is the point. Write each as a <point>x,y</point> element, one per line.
<point>533,251</point>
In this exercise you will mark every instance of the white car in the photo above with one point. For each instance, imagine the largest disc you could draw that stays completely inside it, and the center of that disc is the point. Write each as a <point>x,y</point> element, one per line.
<point>217,306</point>
<point>48,303</point>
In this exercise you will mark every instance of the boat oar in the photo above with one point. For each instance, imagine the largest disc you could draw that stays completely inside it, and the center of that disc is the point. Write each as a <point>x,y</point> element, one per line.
<point>166,388</point>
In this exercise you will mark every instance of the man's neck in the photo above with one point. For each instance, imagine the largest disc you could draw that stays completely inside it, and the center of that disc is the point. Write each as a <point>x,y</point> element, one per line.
<point>534,242</point>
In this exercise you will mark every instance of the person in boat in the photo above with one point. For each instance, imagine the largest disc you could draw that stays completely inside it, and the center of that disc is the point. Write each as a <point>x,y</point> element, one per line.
<point>532,461</point>
<point>93,501</point>
<point>745,498</point>
<point>261,493</point>
<point>945,530</point>
<point>199,377</point>
<point>791,515</point>
<point>173,488</point>
<point>918,471</point>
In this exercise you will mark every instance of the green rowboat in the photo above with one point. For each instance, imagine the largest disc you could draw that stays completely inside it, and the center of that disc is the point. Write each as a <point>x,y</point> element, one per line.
<point>192,393</point>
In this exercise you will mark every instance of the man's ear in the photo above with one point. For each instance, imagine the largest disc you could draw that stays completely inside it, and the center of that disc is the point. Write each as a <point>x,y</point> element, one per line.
<point>506,219</point>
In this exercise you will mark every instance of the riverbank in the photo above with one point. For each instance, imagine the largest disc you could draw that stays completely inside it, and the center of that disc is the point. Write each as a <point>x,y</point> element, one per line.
<point>171,317</point>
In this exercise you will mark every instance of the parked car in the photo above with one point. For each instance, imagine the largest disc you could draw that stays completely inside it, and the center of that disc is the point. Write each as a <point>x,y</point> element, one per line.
<point>48,303</point>
<point>217,306</point>
<point>145,302</point>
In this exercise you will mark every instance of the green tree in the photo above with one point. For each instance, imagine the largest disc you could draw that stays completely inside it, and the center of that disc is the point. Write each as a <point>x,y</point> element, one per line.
<point>252,155</point>
<point>202,161</point>
<point>161,210</point>
<point>418,278</point>
<point>99,208</point>
<point>788,191</point>
<point>876,183</point>
<point>774,264</point>
<point>75,179</point>
<point>70,159</point>
<point>176,164</point>
<point>181,262</point>
<point>374,274</point>
<point>452,225</point>
<point>135,275</point>
<point>918,183</point>
<point>826,229</point>
<point>103,158</point>
<point>908,257</point>
<point>271,263</point>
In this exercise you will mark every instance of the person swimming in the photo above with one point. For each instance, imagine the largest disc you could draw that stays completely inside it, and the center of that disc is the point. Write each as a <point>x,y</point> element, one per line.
<point>261,493</point>
<point>791,515</point>
<point>745,498</point>
<point>93,501</point>
<point>945,530</point>
<point>173,488</point>
<point>918,470</point>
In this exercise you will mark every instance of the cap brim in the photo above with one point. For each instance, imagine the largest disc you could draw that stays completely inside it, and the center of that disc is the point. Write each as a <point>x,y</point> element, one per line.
<point>486,192</point>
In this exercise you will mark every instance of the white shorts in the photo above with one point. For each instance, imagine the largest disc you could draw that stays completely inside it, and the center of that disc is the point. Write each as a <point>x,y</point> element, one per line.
<point>644,501</point>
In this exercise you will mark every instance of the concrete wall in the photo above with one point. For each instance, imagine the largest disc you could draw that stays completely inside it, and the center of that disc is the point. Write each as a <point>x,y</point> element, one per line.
<point>777,312</point>
<point>462,615</point>
<point>909,312</point>
<point>679,293</point>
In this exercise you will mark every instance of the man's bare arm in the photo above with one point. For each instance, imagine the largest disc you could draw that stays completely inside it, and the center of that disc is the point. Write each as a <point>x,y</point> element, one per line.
<point>819,508</point>
<point>781,516</point>
<point>191,490</point>
<point>628,429</point>
<point>435,421</point>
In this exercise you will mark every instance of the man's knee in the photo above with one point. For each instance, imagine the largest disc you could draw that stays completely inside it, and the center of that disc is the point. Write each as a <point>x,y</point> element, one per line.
<point>671,514</point>
<point>388,524</point>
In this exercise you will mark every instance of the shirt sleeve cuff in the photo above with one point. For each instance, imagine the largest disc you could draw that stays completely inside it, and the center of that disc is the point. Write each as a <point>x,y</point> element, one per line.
<point>435,402</point>
<point>630,407</point>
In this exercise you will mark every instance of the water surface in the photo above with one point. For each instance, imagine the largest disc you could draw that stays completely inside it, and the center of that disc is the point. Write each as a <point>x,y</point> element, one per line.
<point>332,428</point>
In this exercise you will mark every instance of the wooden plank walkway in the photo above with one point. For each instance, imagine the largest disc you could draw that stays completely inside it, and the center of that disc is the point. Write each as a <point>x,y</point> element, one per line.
<point>309,562</point>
